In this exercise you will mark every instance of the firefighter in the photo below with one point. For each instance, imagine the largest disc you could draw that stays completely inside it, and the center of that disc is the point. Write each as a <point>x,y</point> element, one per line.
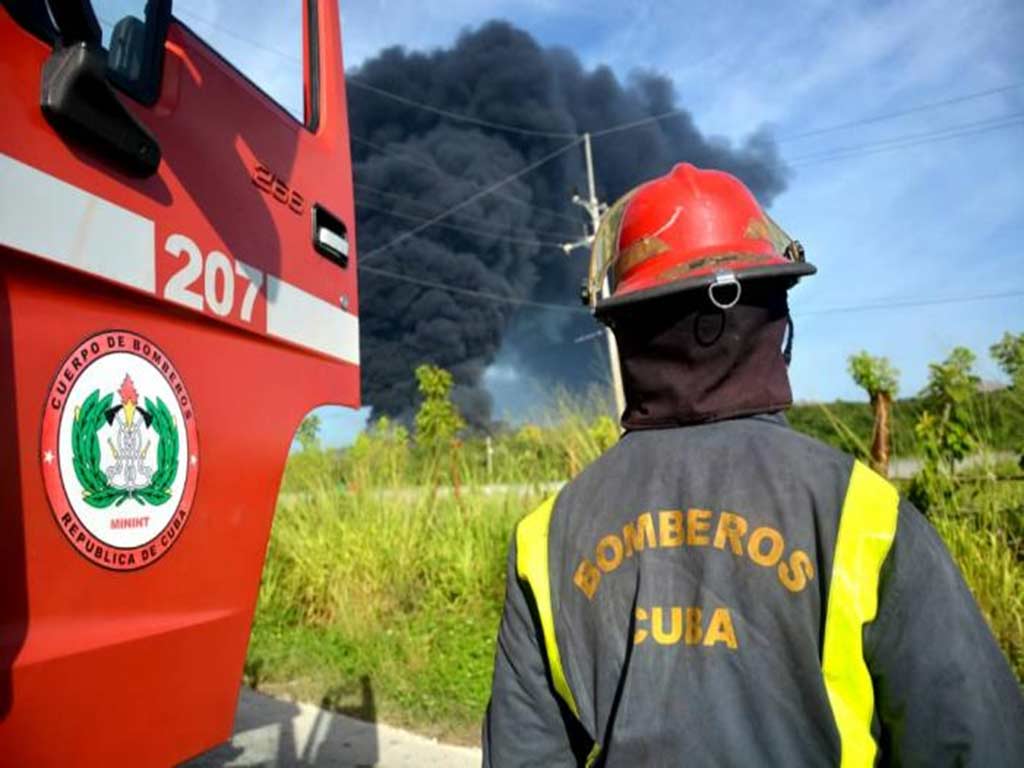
<point>719,589</point>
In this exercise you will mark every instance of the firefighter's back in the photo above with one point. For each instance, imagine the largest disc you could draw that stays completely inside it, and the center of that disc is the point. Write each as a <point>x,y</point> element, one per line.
<point>690,571</point>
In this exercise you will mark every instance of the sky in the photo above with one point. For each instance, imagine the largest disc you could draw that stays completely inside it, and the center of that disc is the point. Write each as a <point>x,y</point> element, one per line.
<point>930,218</point>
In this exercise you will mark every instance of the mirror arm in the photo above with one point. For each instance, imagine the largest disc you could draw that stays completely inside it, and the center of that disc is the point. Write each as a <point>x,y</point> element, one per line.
<point>76,21</point>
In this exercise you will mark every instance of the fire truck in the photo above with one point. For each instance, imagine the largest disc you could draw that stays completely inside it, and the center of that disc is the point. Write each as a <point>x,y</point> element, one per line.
<point>177,291</point>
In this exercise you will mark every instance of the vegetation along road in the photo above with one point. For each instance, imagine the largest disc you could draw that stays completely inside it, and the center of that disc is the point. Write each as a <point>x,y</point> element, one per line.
<point>371,593</point>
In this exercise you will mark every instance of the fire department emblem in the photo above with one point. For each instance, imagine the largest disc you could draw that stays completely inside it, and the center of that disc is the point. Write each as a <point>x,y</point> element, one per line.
<point>119,451</point>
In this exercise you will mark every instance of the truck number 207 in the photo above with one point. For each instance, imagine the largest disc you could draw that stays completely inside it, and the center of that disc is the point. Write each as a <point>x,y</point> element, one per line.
<point>218,288</point>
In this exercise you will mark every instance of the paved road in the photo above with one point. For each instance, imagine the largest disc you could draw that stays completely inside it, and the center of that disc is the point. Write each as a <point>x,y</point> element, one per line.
<point>273,733</point>
<point>907,467</point>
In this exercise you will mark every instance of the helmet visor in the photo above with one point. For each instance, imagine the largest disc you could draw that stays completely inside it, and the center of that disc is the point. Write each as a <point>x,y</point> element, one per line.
<point>604,253</point>
<point>785,246</point>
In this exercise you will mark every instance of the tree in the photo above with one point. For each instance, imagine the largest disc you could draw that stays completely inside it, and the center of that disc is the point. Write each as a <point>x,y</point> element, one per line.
<point>437,420</point>
<point>945,430</point>
<point>1009,353</point>
<point>951,385</point>
<point>308,433</point>
<point>880,380</point>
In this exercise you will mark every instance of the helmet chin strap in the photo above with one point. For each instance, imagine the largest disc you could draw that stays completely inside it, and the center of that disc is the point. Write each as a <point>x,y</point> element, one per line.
<point>787,349</point>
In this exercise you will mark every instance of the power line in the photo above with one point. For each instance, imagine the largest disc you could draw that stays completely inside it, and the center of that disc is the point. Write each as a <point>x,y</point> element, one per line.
<point>869,307</point>
<point>889,304</point>
<point>403,157</point>
<point>908,142</point>
<point>988,122</point>
<point>457,228</point>
<point>866,307</point>
<point>638,123</point>
<point>240,38</point>
<point>462,216</point>
<point>901,112</point>
<point>471,292</point>
<point>592,336</point>
<point>458,115</point>
<point>827,129</point>
<point>397,155</point>
<point>445,214</point>
<point>908,145</point>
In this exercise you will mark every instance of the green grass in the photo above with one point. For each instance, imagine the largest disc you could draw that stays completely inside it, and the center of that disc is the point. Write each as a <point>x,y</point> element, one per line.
<point>401,588</point>
<point>379,576</point>
<point>984,530</point>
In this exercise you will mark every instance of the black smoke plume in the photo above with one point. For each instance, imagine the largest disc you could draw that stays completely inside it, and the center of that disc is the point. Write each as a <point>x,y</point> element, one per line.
<point>411,164</point>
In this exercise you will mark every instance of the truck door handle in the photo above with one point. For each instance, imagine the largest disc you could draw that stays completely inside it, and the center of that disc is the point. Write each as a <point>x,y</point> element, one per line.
<point>330,236</point>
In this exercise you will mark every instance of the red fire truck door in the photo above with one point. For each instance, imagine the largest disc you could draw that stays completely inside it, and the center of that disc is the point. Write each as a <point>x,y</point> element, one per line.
<point>177,290</point>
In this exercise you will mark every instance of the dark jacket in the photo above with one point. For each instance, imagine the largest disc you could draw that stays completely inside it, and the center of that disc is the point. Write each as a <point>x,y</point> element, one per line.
<point>737,594</point>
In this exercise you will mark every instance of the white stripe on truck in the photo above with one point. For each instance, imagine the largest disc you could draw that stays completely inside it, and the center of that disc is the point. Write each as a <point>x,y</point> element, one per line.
<point>305,319</point>
<point>47,217</point>
<point>54,220</point>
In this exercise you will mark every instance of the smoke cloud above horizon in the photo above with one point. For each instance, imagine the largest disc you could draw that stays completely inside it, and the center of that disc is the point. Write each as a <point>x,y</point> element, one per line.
<point>411,164</point>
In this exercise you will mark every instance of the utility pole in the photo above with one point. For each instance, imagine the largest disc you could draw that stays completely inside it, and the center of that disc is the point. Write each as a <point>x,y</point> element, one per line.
<point>595,209</point>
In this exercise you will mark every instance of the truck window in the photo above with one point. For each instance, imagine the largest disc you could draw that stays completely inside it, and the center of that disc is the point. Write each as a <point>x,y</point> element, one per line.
<point>263,41</point>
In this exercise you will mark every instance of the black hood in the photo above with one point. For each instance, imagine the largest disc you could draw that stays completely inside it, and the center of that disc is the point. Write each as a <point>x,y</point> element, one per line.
<point>685,361</point>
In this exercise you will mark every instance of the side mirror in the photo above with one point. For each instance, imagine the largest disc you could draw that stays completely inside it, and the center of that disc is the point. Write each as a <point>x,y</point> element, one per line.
<point>80,104</point>
<point>78,80</point>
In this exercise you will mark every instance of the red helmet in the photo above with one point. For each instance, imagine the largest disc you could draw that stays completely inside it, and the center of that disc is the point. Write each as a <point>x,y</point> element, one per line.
<point>692,228</point>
